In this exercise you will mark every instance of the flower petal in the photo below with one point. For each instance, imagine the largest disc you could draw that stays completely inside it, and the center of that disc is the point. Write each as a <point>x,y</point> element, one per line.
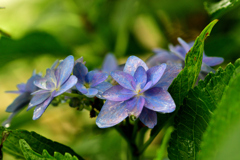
<point>118,93</point>
<point>91,92</point>
<point>178,51</point>
<point>184,44</point>
<point>212,61</point>
<point>132,64</point>
<point>135,105</point>
<point>110,63</point>
<point>95,77</point>
<point>80,71</point>
<point>64,70</point>
<point>147,86</point>
<point>206,68</point>
<point>30,87</point>
<point>55,64</point>
<point>72,80</point>
<point>169,74</point>
<point>161,56</point>
<point>102,87</point>
<point>155,73</point>
<point>15,92</point>
<point>40,91</point>
<point>38,99</point>
<point>159,100</point>
<point>81,88</point>
<point>111,114</point>
<point>124,79</point>
<point>140,77</point>
<point>39,110</point>
<point>21,87</point>
<point>21,101</point>
<point>48,82</point>
<point>148,117</point>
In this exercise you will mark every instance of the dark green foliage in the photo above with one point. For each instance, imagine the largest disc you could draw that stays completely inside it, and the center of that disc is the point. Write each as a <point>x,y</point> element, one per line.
<point>195,113</point>
<point>218,8</point>
<point>29,46</point>
<point>29,154</point>
<point>221,139</point>
<point>37,142</point>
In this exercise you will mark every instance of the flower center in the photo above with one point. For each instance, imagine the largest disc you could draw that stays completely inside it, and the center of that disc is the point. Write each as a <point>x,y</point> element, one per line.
<point>87,85</point>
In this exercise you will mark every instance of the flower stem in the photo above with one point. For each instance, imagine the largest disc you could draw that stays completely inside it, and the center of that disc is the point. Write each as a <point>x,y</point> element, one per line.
<point>73,95</point>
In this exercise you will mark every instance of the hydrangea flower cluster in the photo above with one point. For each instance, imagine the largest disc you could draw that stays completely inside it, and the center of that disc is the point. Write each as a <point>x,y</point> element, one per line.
<point>56,81</point>
<point>23,99</point>
<point>136,95</point>
<point>178,53</point>
<point>139,90</point>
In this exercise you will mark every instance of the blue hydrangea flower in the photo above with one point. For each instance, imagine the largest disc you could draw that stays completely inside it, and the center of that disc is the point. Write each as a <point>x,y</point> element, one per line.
<point>136,95</point>
<point>178,54</point>
<point>56,81</point>
<point>23,99</point>
<point>91,83</point>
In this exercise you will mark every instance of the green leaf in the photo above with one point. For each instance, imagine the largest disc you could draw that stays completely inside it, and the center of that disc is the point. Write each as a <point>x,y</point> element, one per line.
<point>221,7</point>
<point>187,77</point>
<point>36,141</point>
<point>221,139</point>
<point>195,113</point>
<point>29,154</point>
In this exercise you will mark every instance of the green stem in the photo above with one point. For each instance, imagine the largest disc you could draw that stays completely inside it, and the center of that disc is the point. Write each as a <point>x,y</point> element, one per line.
<point>73,95</point>
<point>133,149</point>
<point>162,149</point>
<point>135,129</point>
<point>158,129</point>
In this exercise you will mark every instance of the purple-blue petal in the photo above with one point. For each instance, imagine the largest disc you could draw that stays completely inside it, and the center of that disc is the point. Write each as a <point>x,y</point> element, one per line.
<point>111,114</point>
<point>206,68</point>
<point>21,87</point>
<point>168,76</point>
<point>178,51</point>
<point>15,92</point>
<point>102,87</point>
<point>20,102</point>
<point>135,105</point>
<point>140,77</point>
<point>95,77</point>
<point>64,70</point>
<point>80,71</point>
<point>110,63</point>
<point>161,56</point>
<point>79,60</point>
<point>212,61</point>
<point>159,100</point>
<point>124,79</point>
<point>48,82</point>
<point>40,91</point>
<point>72,80</point>
<point>155,73</point>
<point>184,44</point>
<point>39,110</point>
<point>38,99</point>
<point>148,117</point>
<point>55,64</point>
<point>81,88</point>
<point>30,87</point>
<point>133,63</point>
<point>118,93</point>
<point>91,92</point>
<point>147,86</point>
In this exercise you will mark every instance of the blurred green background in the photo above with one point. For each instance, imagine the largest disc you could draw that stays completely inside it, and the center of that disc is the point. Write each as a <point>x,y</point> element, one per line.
<point>36,33</point>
